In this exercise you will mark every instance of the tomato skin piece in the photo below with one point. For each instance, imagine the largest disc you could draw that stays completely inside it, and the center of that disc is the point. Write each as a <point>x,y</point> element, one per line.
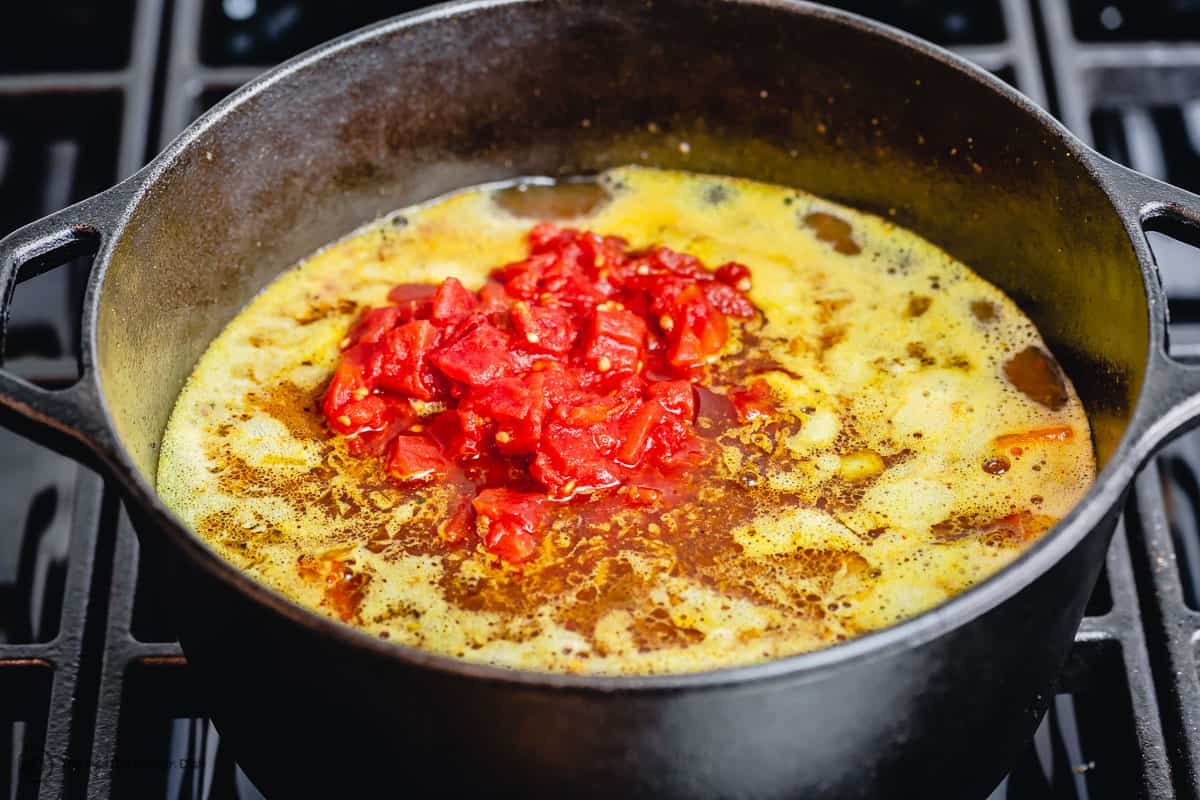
<point>408,292</point>
<point>416,458</point>
<point>753,401</point>
<point>459,525</point>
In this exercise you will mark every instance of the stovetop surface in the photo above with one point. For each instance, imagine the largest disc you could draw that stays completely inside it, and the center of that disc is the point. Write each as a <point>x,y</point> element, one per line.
<point>95,695</point>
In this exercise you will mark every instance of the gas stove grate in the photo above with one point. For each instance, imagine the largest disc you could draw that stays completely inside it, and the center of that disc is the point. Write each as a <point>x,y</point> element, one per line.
<point>97,694</point>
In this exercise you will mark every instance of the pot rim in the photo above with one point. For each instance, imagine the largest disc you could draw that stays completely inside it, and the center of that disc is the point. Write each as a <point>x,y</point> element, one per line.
<point>1108,488</point>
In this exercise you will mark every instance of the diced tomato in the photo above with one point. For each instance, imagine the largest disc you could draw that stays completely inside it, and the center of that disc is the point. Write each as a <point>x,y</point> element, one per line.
<point>518,407</point>
<point>677,397</point>
<point>416,458</point>
<point>357,415</point>
<point>547,236</point>
<point>674,445</point>
<point>523,279</point>
<point>397,418</point>
<point>546,329</point>
<point>483,355</point>
<point>575,370</point>
<point>686,351</point>
<point>346,386</point>
<point>699,330</point>
<point>735,275</point>
<point>570,461</point>
<point>513,518</point>
<point>615,340</point>
<point>637,433</point>
<point>728,300</point>
<point>681,264</point>
<point>493,299</point>
<point>463,433</point>
<point>374,324</point>
<point>405,368</point>
<point>451,303</point>
<point>501,502</point>
<point>509,540</point>
<point>412,300</point>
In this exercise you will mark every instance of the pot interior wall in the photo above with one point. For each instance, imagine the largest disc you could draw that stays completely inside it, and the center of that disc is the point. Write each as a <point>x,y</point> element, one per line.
<point>767,90</point>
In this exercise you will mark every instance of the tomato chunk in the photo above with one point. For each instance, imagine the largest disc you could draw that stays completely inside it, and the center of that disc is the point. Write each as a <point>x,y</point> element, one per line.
<point>405,367</point>
<point>546,329</point>
<point>615,340</point>
<point>483,355</point>
<point>416,458</point>
<point>451,302</point>
<point>512,518</point>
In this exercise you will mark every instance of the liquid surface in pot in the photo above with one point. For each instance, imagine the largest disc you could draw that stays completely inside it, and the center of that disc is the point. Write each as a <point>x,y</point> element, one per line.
<point>920,437</point>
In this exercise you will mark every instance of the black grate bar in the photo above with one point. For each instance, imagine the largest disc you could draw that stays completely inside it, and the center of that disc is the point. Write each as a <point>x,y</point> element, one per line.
<point>1174,626</point>
<point>61,767</point>
<point>1114,636</point>
<point>1089,75</point>
<point>122,653</point>
<point>1126,97</point>
<point>1124,625</point>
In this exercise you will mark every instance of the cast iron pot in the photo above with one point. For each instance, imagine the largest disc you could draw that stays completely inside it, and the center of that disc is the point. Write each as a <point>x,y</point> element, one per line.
<point>937,706</point>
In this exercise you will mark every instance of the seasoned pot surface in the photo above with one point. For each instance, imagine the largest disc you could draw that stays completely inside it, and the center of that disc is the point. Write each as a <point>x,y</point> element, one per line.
<point>920,438</point>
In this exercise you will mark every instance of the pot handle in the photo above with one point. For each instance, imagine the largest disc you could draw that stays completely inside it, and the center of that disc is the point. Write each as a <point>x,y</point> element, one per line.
<point>1170,402</point>
<point>71,419</point>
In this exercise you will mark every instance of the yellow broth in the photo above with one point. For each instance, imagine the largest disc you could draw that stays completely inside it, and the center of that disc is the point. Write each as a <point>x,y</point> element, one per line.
<point>923,437</point>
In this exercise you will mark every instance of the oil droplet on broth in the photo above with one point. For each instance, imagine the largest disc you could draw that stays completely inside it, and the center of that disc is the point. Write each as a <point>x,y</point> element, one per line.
<point>1035,375</point>
<point>997,465</point>
<point>539,201</point>
<point>834,230</point>
<point>983,310</point>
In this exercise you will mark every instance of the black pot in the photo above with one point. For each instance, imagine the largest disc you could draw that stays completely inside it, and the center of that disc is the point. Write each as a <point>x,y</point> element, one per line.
<point>937,706</point>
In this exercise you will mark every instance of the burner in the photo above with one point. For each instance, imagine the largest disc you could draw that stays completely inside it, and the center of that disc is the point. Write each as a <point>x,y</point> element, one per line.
<point>97,695</point>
